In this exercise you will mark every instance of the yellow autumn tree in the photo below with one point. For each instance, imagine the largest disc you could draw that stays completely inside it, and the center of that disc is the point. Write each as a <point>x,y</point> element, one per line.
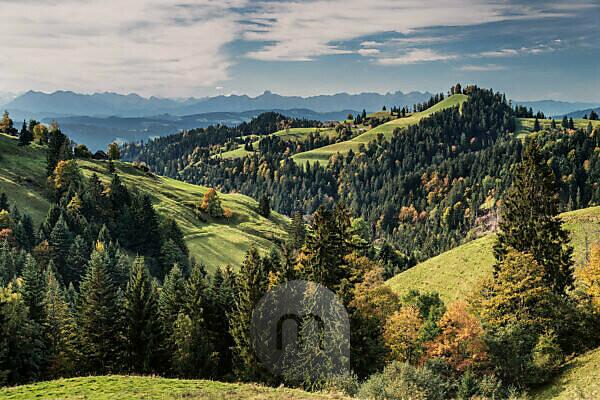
<point>589,276</point>
<point>211,204</point>
<point>401,334</point>
<point>460,342</point>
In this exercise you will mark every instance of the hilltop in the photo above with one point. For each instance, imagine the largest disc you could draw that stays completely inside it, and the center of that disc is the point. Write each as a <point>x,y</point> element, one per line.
<point>139,387</point>
<point>214,243</point>
<point>455,273</point>
<point>387,129</point>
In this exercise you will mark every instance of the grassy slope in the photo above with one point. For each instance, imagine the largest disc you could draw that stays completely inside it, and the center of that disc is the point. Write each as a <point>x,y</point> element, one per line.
<point>322,154</point>
<point>135,387</point>
<point>525,125</point>
<point>214,243</point>
<point>292,134</point>
<point>580,379</point>
<point>455,273</point>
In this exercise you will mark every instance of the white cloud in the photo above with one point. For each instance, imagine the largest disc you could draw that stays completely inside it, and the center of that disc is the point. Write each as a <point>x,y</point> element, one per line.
<point>481,68</point>
<point>147,46</point>
<point>415,56</point>
<point>305,30</point>
<point>368,52</point>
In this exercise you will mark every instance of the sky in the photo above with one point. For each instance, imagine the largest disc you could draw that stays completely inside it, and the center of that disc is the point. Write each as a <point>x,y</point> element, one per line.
<point>180,48</point>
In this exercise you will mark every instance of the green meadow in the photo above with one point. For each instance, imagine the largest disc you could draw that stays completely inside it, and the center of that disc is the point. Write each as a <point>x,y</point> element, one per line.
<point>456,273</point>
<point>214,242</point>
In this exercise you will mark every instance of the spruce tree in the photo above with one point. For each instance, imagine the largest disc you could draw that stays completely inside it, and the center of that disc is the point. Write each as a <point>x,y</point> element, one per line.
<point>34,290</point>
<point>61,331</point>
<point>297,231</point>
<point>25,136</point>
<point>264,206</point>
<point>98,316</point>
<point>251,285</point>
<point>170,302</point>
<point>76,261</point>
<point>4,202</point>
<point>60,242</point>
<point>141,315</point>
<point>530,223</point>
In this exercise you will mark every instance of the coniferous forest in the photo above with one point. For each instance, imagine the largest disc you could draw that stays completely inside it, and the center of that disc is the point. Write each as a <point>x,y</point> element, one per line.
<point>107,285</point>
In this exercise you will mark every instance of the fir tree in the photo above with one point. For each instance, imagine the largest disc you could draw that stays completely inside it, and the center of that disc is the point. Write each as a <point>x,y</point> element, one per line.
<point>25,136</point>
<point>530,221</point>
<point>170,302</point>
<point>264,206</point>
<point>33,290</point>
<point>251,285</point>
<point>60,242</point>
<point>61,331</point>
<point>98,317</point>
<point>141,315</point>
<point>297,232</point>
<point>4,202</point>
<point>76,261</point>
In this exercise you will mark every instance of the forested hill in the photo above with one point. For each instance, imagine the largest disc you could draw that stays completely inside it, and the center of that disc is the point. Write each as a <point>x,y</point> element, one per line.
<point>425,190</point>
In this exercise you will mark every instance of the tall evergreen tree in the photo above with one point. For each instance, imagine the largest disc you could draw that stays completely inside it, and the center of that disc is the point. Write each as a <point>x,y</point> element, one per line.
<point>141,315</point>
<point>61,331</point>
<point>530,222</point>
<point>98,316</point>
<point>25,136</point>
<point>251,285</point>
<point>170,302</point>
<point>60,242</point>
<point>264,206</point>
<point>76,261</point>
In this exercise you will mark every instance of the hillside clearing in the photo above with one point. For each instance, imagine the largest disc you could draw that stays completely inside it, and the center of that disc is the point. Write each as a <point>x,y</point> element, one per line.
<point>579,380</point>
<point>214,243</point>
<point>455,273</point>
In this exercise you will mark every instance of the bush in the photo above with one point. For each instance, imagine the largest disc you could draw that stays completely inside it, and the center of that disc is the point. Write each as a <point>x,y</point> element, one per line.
<point>344,383</point>
<point>400,381</point>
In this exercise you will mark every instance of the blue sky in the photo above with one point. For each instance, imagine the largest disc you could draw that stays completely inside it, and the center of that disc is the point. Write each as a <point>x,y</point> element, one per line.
<point>529,49</point>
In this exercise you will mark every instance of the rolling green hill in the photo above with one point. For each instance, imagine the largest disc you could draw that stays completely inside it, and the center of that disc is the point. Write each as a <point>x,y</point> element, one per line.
<point>292,134</point>
<point>138,387</point>
<point>214,243</point>
<point>579,380</point>
<point>322,154</point>
<point>455,273</point>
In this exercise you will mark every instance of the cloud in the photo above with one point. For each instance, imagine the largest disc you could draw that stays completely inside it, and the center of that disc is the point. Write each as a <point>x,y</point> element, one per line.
<point>481,68</point>
<point>154,47</point>
<point>368,52</point>
<point>301,31</point>
<point>415,56</point>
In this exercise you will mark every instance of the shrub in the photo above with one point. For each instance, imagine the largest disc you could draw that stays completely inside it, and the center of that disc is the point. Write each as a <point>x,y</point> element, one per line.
<point>404,381</point>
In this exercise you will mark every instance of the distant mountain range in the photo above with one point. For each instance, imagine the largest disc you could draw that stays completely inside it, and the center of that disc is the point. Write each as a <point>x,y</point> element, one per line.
<point>582,113</point>
<point>98,132</point>
<point>63,103</point>
<point>557,108</point>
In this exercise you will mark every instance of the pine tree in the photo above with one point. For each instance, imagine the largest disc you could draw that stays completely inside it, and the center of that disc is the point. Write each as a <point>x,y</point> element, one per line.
<point>297,232</point>
<point>98,316</point>
<point>60,242</point>
<point>61,330</point>
<point>4,202</point>
<point>264,206</point>
<point>141,314</point>
<point>530,221</point>
<point>33,290</point>
<point>536,125</point>
<point>76,261</point>
<point>252,283</point>
<point>170,302</point>
<point>25,136</point>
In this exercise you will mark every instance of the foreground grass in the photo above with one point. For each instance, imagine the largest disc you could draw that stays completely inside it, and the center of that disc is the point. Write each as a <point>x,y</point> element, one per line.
<point>322,154</point>
<point>455,273</point>
<point>214,242</point>
<point>579,380</point>
<point>137,387</point>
